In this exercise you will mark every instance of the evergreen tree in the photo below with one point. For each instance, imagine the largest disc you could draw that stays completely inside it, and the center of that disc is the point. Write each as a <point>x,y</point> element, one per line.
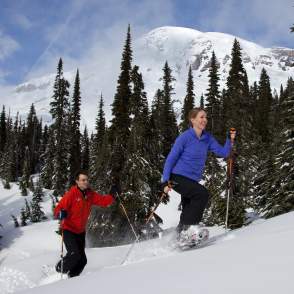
<point>26,170</point>
<point>264,103</point>
<point>23,217</point>
<point>7,159</point>
<point>60,113</point>
<point>138,168</point>
<point>16,223</point>
<point>75,140</point>
<point>100,123</point>
<point>85,155</point>
<point>213,99</point>
<point>156,118</point>
<point>154,143</point>
<point>22,187</point>
<point>189,102</point>
<point>32,140</point>
<point>254,92</point>
<point>20,147</point>
<point>120,128</point>
<point>99,150</point>
<point>37,214</point>
<point>168,119</point>
<point>201,101</point>
<point>215,174</point>
<point>47,158</point>
<point>101,164</point>
<point>237,112</point>
<point>16,154</point>
<point>2,129</point>
<point>281,200</point>
<point>27,209</point>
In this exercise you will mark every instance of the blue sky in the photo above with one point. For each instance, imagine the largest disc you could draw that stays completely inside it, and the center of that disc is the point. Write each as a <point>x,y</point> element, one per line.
<point>34,33</point>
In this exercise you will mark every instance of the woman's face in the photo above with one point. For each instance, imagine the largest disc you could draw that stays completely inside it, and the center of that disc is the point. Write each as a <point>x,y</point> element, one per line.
<point>200,120</point>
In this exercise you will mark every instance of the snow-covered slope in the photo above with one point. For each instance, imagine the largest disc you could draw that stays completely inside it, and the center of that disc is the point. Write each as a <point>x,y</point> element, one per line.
<point>255,259</point>
<point>180,46</point>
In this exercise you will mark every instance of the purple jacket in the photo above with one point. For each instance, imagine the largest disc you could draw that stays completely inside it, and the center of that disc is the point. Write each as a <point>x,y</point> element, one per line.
<point>188,154</point>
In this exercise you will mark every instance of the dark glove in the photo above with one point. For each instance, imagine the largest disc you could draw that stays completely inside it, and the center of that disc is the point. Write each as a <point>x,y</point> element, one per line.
<point>62,214</point>
<point>229,133</point>
<point>115,190</point>
<point>170,184</point>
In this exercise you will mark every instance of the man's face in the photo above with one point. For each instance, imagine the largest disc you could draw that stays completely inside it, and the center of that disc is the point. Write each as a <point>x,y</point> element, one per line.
<point>83,182</point>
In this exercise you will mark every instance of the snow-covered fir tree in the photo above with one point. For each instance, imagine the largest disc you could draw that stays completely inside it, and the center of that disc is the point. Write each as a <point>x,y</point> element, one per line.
<point>75,135</point>
<point>15,221</point>
<point>47,159</point>
<point>60,114</point>
<point>189,101</point>
<point>85,150</point>
<point>36,214</point>
<point>281,200</point>
<point>215,174</point>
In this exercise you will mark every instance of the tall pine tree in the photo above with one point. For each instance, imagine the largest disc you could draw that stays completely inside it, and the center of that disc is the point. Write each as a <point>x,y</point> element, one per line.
<point>168,120</point>
<point>60,113</point>
<point>75,135</point>
<point>189,101</point>
<point>120,128</point>
<point>281,200</point>
<point>85,151</point>
<point>213,99</point>
<point>2,129</point>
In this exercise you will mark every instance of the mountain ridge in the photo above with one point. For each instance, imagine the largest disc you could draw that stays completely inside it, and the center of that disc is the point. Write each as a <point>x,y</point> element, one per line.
<point>181,47</point>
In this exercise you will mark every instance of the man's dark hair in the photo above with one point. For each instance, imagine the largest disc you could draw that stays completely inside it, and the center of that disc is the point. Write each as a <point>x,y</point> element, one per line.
<point>80,172</point>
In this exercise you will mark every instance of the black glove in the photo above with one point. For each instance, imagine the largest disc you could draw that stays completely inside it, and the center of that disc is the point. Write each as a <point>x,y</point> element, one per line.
<point>229,133</point>
<point>115,191</point>
<point>62,214</point>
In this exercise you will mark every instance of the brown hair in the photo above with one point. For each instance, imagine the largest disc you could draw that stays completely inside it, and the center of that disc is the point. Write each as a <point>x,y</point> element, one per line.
<point>81,172</point>
<point>193,113</point>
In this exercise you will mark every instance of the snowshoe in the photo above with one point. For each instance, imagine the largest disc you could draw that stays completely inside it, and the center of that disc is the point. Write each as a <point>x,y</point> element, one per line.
<point>192,236</point>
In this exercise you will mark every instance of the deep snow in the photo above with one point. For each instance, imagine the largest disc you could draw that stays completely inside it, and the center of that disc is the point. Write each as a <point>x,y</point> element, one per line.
<point>256,259</point>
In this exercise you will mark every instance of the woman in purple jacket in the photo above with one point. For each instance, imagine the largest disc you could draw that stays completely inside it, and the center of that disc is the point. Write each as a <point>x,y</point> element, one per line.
<point>185,164</point>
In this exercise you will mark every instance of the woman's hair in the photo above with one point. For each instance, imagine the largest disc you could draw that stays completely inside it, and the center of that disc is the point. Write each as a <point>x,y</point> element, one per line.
<point>193,113</point>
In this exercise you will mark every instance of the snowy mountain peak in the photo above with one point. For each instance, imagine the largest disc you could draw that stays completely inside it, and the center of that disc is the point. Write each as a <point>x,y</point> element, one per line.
<point>181,47</point>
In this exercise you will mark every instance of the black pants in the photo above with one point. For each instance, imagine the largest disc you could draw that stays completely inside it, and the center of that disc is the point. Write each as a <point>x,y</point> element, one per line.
<point>194,199</point>
<point>75,259</point>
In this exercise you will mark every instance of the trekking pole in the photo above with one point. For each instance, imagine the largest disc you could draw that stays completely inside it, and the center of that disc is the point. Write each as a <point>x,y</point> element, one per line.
<point>132,227</point>
<point>127,217</point>
<point>61,255</point>
<point>229,173</point>
<point>170,185</point>
<point>153,210</point>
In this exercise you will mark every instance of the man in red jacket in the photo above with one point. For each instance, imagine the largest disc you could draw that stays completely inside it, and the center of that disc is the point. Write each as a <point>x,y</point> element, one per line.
<point>73,210</point>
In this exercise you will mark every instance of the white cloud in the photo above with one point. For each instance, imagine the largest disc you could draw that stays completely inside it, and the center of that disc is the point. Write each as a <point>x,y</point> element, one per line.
<point>21,21</point>
<point>262,21</point>
<point>100,38</point>
<point>7,45</point>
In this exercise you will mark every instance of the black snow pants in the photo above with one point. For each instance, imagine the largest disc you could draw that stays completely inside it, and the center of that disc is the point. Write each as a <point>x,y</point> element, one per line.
<point>194,198</point>
<point>75,259</point>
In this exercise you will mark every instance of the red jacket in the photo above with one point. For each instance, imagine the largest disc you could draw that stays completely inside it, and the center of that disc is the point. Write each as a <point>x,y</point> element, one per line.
<point>78,207</point>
